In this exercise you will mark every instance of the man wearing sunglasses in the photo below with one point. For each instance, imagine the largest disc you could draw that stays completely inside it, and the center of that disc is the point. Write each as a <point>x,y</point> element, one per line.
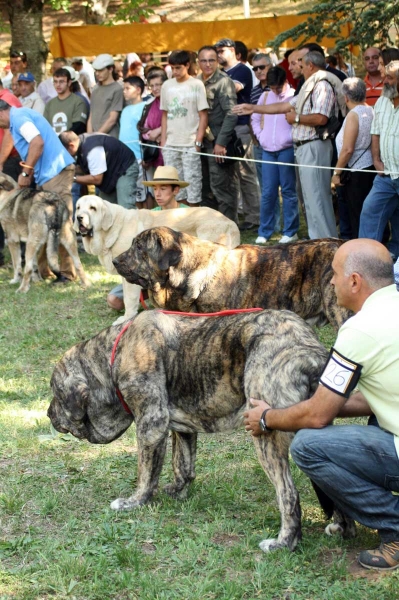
<point>242,78</point>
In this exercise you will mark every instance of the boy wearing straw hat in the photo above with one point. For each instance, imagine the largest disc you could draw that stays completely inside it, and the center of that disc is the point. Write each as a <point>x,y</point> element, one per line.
<point>166,185</point>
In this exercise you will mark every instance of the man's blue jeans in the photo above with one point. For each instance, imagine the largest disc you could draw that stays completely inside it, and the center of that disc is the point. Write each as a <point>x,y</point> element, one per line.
<point>358,468</point>
<point>274,176</point>
<point>381,206</point>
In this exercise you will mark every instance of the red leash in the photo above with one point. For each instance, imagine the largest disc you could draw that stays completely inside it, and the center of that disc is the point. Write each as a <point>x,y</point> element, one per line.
<point>222,313</point>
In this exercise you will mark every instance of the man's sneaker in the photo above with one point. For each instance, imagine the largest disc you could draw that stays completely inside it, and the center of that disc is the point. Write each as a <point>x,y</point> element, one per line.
<point>286,239</point>
<point>384,558</point>
<point>260,240</point>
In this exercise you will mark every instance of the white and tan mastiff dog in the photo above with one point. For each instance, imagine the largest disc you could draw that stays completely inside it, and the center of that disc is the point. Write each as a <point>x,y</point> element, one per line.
<point>109,229</point>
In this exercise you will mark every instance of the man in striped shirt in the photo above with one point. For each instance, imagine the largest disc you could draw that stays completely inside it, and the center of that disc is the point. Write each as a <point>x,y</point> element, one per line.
<point>382,203</point>
<point>373,79</point>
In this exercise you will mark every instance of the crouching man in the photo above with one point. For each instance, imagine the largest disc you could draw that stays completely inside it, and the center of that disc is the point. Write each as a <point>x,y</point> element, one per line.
<point>106,163</point>
<point>356,466</point>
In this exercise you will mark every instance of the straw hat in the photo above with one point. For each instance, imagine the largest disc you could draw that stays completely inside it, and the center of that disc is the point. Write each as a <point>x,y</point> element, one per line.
<point>166,176</point>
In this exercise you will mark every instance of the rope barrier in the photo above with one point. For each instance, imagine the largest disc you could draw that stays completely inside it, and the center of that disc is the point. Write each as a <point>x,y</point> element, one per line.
<point>283,164</point>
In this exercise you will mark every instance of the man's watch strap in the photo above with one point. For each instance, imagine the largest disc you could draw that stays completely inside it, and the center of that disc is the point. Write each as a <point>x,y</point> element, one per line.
<point>296,120</point>
<point>198,144</point>
<point>262,421</point>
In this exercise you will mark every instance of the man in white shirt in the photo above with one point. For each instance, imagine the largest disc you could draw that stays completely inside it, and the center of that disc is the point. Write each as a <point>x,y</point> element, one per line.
<point>29,98</point>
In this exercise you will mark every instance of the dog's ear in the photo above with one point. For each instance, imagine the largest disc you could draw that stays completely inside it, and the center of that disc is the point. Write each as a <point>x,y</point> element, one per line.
<point>76,401</point>
<point>7,183</point>
<point>168,255</point>
<point>107,217</point>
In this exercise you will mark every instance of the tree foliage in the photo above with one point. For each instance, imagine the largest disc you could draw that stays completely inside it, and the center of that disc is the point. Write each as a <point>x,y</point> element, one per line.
<point>370,23</point>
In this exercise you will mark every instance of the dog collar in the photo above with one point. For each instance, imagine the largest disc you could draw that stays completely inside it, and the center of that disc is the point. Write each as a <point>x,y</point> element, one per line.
<point>113,353</point>
<point>223,313</point>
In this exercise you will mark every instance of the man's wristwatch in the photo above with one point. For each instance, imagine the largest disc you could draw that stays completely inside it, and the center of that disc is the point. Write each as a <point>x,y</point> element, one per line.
<point>336,174</point>
<point>25,174</point>
<point>296,120</point>
<point>262,422</point>
<point>198,144</point>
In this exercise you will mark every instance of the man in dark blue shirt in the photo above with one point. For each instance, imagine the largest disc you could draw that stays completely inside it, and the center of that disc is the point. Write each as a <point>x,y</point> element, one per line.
<point>242,78</point>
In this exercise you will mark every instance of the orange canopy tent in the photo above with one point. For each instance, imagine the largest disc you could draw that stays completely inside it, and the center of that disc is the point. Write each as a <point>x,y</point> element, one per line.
<point>89,40</point>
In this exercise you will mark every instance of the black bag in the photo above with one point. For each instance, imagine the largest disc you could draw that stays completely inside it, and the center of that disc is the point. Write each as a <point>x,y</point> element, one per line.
<point>235,149</point>
<point>346,176</point>
<point>150,152</point>
<point>333,125</point>
<point>329,130</point>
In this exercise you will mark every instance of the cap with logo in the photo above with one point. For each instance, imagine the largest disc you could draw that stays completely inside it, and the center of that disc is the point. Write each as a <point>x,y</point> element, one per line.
<point>27,76</point>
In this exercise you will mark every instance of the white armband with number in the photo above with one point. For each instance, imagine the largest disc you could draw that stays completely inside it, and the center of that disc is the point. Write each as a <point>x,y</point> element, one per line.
<point>340,374</point>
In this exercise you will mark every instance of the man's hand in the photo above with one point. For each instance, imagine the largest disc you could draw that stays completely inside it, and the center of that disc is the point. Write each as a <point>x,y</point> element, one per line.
<point>379,165</point>
<point>219,151</point>
<point>290,117</point>
<point>243,109</point>
<point>252,416</point>
<point>24,182</point>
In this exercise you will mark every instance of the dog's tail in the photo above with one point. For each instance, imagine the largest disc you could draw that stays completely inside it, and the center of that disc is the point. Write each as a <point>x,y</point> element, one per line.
<point>53,242</point>
<point>325,502</point>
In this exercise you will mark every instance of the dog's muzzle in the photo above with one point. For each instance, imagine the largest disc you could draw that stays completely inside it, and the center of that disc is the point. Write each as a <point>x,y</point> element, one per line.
<point>84,231</point>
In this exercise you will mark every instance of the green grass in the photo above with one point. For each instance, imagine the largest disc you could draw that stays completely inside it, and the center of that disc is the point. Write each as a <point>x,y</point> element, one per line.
<point>60,540</point>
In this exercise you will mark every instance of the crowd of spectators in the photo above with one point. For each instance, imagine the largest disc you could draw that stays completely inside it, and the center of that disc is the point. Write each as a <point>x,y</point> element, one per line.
<point>120,120</point>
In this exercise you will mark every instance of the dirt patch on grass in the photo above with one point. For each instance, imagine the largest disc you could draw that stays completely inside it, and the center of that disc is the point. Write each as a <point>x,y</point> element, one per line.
<point>225,539</point>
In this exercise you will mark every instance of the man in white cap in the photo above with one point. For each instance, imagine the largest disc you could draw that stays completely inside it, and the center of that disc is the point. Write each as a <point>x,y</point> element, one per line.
<point>106,99</point>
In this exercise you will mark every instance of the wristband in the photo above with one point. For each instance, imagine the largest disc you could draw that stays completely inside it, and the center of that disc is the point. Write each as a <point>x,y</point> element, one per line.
<point>262,422</point>
<point>25,166</point>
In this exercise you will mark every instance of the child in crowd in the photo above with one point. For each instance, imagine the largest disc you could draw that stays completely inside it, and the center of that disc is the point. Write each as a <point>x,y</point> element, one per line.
<point>184,120</point>
<point>166,186</point>
<point>133,88</point>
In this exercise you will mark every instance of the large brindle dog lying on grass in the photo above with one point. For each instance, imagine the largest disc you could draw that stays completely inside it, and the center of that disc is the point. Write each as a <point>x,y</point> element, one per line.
<point>185,274</point>
<point>190,375</point>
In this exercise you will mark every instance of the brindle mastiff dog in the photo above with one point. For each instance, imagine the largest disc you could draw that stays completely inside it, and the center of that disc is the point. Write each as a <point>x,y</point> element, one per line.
<point>183,273</point>
<point>190,375</point>
<point>36,218</point>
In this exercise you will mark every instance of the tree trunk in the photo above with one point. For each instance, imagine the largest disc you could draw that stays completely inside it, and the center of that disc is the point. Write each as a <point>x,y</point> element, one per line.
<point>26,18</point>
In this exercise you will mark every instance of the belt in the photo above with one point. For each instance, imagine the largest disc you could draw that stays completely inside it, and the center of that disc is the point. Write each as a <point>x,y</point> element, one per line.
<point>297,144</point>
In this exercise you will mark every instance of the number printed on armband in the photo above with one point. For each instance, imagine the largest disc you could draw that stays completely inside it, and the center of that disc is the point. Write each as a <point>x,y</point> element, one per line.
<point>340,374</point>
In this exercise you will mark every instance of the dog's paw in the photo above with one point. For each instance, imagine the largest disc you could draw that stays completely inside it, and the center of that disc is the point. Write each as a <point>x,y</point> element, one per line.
<point>270,545</point>
<point>176,492</point>
<point>15,280</point>
<point>333,528</point>
<point>23,289</point>
<point>36,277</point>
<point>124,504</point>
<point>120,320</point>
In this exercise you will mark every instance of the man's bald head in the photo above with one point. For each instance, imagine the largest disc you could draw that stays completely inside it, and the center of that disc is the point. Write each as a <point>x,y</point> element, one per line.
<point>360,267</point>
<point>370,259</point>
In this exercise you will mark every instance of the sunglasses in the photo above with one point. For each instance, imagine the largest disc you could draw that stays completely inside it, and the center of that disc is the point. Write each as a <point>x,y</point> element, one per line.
<point>260,68</point>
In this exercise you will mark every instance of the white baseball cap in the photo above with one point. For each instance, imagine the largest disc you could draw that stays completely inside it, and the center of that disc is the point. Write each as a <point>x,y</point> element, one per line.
<point>102,61</point>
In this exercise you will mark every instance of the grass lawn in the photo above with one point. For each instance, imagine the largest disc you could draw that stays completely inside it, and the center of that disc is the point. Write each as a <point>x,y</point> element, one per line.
<point>58,537</point>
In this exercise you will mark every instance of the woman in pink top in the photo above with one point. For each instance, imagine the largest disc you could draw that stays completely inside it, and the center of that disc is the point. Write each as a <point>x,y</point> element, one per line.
<point>275,137</point>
